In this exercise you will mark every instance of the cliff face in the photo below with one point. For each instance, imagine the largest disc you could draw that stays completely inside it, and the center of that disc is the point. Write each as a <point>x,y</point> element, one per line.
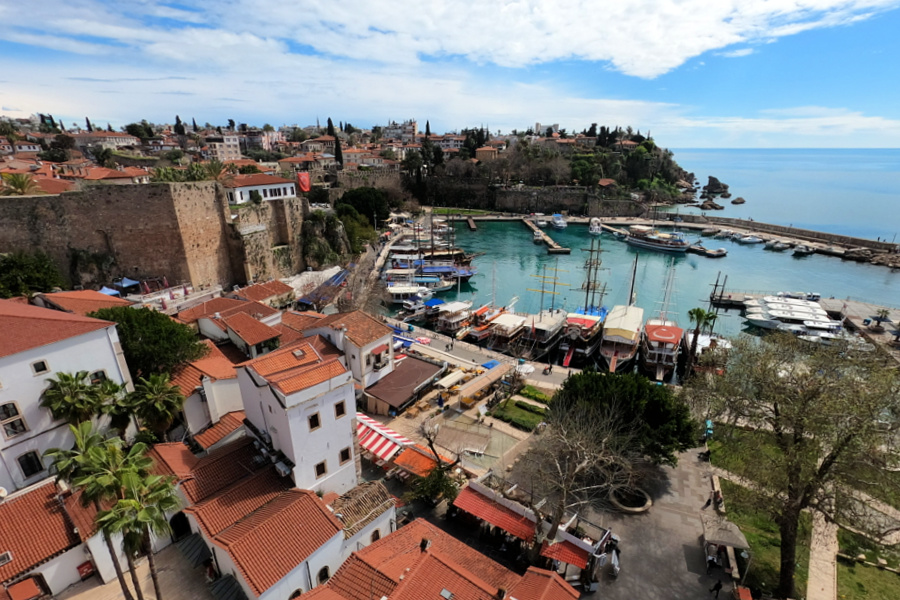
<point>325,242</point>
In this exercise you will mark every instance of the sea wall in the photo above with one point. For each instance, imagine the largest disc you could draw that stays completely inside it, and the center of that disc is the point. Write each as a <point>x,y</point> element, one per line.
<point>573,200</point>
<point>803,234</point>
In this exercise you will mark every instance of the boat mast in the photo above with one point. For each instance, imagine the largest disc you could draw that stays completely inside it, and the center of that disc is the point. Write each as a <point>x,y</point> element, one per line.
<point>631,297</point>
<point>670,281</point>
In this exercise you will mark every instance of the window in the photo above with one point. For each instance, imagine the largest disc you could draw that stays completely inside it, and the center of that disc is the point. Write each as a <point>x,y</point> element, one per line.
<point>296,594</point>
<point>323,575</point>
<point>98,377</point>
<point>30,463</point>
<point>345,455</point>
<point>314,422</point>
<point>321,469</point>
<point>376,535</point>
<point>11,419</point>
<point>265,193</point>
<point>40,367</point>
<point>340,410</point>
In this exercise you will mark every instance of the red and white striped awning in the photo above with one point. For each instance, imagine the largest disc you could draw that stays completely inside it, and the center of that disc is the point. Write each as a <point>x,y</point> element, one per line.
<point>381,441</point>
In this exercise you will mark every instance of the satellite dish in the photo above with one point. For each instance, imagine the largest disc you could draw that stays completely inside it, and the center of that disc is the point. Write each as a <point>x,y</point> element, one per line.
<point>3,493</point>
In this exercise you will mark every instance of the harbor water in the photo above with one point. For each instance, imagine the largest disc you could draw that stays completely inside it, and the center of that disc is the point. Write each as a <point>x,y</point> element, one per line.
<point>511,262</point>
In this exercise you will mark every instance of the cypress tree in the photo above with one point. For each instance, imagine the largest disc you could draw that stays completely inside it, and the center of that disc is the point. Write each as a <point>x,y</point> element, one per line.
<point>88,123</point>
<point>196,129</point>
<point>331,128</point>
<point>338,153</point>
<point>427,129</point>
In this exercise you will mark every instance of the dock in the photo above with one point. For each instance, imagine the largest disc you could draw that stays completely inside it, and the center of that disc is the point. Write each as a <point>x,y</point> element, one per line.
<point>552,247</point>
<point>471,222</point>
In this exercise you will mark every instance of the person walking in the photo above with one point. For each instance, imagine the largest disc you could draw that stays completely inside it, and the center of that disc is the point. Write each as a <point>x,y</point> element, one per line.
<point>716,588</point>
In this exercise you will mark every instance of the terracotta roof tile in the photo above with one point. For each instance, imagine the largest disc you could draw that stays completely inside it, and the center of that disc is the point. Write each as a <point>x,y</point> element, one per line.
<point>435,572</point>
<point>242,498</point>
<point>277,537</point>
<point>566,552</point>
<point>299,321</point>
<point>229,423</point>
<point>220,468</point>
<point>173,458</point>
<point>362,328</point>
<point>34,528</point>
<point>418,460</point>
<point>214,365</point>
<point>288,334</point>
<point>25,327</point>
<point>249,329</point>
<point>263,291</point>
<point>82,302</point>
<point>310,377</point>
<point>50,185</point>
<point>494,513</point>
<point>210,307</point>
<point>540,584</point>
<point>82,516</point>
<point>361,505</point>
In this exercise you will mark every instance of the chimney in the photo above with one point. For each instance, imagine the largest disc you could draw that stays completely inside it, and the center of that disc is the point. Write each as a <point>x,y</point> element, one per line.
<point>424,544</point>
<point>501,594</point>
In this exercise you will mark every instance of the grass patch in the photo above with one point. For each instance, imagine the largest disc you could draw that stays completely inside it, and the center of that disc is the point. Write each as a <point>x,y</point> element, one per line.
<point>862,582</point>
<point>510,412</point>
<point>881,485</point>
<point>725,438</point>
<point>854,544</point>
<point>765,541</point>
<point>459,211</point>
<point>536,394</point>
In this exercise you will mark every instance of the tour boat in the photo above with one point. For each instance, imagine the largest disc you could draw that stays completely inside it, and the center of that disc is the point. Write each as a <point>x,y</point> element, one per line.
<point>542,333</point>
<point>595,227</point>
<point>661,338</point>
<point>559,222</point>
<point>504,330</point>
<point>621,333</point>
<point>644,236</point>
<point>583,326</point>
<point>400,293</point>
<point>453,316</point>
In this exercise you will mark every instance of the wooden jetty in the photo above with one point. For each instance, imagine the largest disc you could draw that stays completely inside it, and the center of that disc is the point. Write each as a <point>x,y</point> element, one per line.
<point>552,247</point>
<point>471,222</point>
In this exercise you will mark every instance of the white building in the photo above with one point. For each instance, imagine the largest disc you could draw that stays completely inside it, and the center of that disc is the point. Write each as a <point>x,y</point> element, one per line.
<point>364,340</point>
<point>36,344</point>
<point>300,403</point>
<point>269,187</point>
<point>405,131</point>
<point>105,139</point>
<point>224,147</point>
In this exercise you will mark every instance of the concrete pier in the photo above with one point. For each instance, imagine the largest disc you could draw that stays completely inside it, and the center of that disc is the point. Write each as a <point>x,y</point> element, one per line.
<point>552,247</point>
<point>471,223</point>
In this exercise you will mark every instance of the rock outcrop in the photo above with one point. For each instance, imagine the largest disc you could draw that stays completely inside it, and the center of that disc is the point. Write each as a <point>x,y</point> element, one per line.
<point>325,242</point>
<point>715,187</point>
<point>738,200</point>
<point>710,205</point>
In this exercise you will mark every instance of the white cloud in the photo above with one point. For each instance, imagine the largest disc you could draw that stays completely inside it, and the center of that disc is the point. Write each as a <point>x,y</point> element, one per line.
<point>737,53</point>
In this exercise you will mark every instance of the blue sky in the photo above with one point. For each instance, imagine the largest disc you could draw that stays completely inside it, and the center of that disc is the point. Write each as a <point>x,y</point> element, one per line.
<point>696,73</point>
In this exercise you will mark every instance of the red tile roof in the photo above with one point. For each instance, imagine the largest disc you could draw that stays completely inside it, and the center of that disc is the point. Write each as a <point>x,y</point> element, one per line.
<point>288,334</point>
<point>173,458</point>
<point>242,498</point>
<point>82,516</point>
<point>566,552</point>
<point>229,423</point>
<point>310,377</point>
<point>225,307</point>
<point>214,365</point>
<point>300,365</point>
<point>277,537</point>
<point>264,291</point>
<point>540,584</point>
<point>25,327</point>
<point>50,185</point>
<point>362,328</point>
<point>494,513</point>
<point>418,460</point>
<point>82,302</point>
<point>221,468</point>
<point>239,181</point>
<point>34,528</point>
<point>299,321</point>
<point>394,566</point>
<point>249,329</point>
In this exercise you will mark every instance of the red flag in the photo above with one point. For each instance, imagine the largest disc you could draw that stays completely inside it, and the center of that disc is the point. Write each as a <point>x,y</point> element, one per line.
<point>303,182</point>
<point>165,282</point>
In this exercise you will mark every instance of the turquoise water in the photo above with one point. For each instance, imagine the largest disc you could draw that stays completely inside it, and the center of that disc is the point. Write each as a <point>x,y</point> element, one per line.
<point>850,192</point>
<point>511,254</point>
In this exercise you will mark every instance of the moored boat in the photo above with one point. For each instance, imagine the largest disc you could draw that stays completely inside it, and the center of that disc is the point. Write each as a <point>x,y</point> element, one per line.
<point>537,237</point>
<point>802,250</point>
<point>644,236</point>
<point>708,252</point>
<point>595,228</point>
<point>559,222</point>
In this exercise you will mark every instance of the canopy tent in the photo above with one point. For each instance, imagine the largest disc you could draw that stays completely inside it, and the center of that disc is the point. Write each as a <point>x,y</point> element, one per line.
<point>109,291</point>
<point>491,364</point>
<point>126,283</point>
<point>624,324</point>
<point>722,532</point>
<point>381,441</point>
<point>450,380</point>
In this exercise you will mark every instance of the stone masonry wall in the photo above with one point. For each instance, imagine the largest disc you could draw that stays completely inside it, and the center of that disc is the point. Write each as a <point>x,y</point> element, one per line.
<point>572,200</point>
<point>205,224</point>
<point>269,243</point>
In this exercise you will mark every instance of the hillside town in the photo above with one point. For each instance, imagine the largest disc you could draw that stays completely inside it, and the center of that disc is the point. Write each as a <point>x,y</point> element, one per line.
<point>225,373</point>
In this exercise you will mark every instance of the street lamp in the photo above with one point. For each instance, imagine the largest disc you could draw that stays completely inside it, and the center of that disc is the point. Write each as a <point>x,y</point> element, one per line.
<point>749,558</point>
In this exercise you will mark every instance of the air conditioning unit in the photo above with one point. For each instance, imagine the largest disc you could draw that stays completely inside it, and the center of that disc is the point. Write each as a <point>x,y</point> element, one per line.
<point>5,558</point>
<point>282,469</point>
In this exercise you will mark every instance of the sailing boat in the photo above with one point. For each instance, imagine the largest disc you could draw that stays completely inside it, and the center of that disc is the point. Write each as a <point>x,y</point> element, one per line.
<point>543,330</point>
<point>661,340</point>
<point>582,333</point>
<point>621,336</point>
<point>481,319</point>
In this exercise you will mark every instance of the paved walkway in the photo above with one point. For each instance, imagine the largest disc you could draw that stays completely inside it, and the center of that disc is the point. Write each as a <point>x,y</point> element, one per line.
<point>176,578</point>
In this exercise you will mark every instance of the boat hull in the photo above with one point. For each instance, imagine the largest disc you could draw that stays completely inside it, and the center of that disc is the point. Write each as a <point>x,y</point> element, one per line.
<point>650,245</point>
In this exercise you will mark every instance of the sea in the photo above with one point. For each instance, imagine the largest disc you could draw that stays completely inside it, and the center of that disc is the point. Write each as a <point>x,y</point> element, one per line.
<point>851,192</point>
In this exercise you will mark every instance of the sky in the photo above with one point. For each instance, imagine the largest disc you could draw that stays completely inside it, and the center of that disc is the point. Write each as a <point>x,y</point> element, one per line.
<point>695,73</point>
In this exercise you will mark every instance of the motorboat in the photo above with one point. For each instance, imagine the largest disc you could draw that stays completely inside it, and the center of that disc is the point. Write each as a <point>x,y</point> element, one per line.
<point>559,222</point>
<point>402,292</point>
<point>802,250</point>
<point>708,252</point>
<point>724,234</point>
<point>538,237</point>
<point>540,220</point>
<point>749,239</point>
<point>644,236</point>
<point>708,231</point>
<point>595,227</point>
<point>780,246</point>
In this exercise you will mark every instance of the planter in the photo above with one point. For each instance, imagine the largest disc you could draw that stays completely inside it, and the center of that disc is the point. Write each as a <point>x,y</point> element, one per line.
<point>630,500</point>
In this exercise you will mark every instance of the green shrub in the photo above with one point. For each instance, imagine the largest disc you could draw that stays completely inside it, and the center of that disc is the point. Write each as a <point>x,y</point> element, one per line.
<point>531,408</point>
<point>532,393</point>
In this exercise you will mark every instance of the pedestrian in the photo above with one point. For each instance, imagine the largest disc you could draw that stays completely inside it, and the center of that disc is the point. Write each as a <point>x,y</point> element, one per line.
<point>716,588</point>
<point>718,500</point>
<point>710,563</point>
<point>709,500</point>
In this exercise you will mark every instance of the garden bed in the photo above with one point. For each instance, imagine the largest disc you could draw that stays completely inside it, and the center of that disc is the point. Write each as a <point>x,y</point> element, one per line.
<point>512,412</point>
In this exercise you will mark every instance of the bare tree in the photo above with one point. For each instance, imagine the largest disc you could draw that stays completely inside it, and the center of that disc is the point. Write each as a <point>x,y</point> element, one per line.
<point>440,481</point>
<point>821,425</point>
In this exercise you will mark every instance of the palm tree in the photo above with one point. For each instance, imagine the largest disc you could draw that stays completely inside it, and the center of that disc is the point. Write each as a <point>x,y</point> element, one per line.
<point>218,171</point>
<point>881,315</point>
<point>72,398</point>
<point>111,468</point>
<point>157,403</point>
<point>702,319</point>
<point>18,184</point>
<point>116,404</point>
<point>76,463</point>
<point>140,513</point>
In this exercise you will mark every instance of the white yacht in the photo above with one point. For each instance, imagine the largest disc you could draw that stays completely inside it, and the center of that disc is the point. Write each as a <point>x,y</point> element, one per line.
<point>595,227</point>
<point>559,222</point>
